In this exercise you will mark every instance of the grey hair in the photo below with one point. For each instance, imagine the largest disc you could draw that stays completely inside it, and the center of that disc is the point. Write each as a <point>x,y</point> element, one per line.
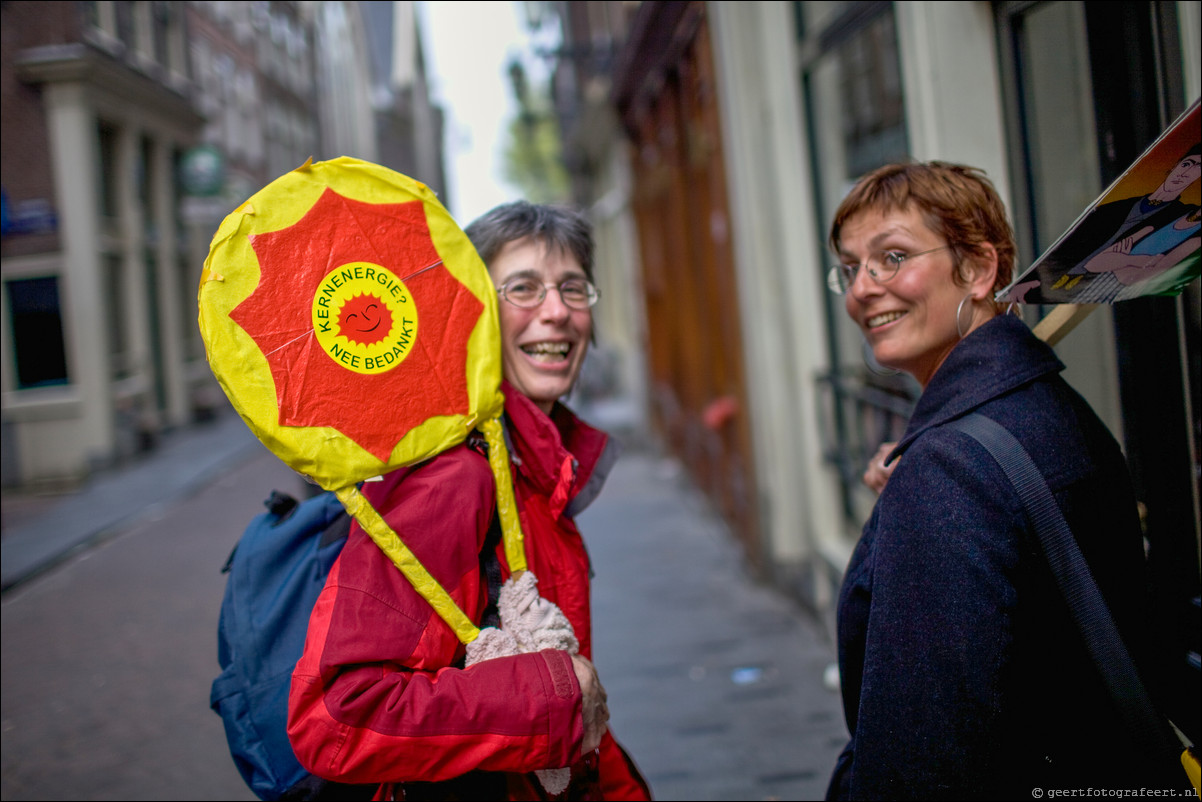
<point>555,226</point>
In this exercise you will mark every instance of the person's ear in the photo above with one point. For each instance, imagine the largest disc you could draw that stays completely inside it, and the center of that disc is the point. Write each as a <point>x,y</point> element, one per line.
<point>982,271</point>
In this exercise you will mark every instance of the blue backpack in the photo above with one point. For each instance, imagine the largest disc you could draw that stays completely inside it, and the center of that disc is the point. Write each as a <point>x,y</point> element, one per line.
<point>276,571</point>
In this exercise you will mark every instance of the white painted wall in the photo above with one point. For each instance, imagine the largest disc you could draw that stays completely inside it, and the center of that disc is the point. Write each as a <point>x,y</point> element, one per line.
<point>775,244</point>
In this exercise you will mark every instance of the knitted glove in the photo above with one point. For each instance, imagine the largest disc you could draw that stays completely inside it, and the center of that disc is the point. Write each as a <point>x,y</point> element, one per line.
<point>490,643</point>
<point>529,623</point>
<point>534,622</point>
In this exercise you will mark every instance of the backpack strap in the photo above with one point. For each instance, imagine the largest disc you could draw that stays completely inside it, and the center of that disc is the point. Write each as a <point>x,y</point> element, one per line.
<point>490,569</point>
<point>1155,733</point>
<point>338,529</point>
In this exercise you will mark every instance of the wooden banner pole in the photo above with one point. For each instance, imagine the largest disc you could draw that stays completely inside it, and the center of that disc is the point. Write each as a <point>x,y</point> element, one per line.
<point>1061,320</point>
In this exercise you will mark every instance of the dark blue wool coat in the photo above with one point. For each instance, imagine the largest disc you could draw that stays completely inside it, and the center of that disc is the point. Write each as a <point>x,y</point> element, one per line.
<point>962,674</point>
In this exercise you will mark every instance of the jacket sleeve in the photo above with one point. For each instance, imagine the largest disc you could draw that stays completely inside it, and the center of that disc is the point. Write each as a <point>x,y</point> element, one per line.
<point>378,696</point>
<point>940,629</point>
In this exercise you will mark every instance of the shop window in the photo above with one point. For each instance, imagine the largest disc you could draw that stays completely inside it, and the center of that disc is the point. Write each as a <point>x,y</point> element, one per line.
<point>37,329</point>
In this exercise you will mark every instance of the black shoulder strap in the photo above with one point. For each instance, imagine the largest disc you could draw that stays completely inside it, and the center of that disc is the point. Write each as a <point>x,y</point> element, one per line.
<point>1077,584</point>
<point>338,529</point>
<point>490,565</point>
<point>490,568</point>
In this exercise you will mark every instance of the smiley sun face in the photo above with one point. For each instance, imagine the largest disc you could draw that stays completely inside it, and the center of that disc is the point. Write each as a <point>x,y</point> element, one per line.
<point>364,319</point>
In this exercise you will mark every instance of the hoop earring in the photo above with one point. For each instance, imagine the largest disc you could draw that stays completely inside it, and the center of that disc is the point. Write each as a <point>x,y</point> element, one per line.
<point>870,362</point>
<point>959,310</point>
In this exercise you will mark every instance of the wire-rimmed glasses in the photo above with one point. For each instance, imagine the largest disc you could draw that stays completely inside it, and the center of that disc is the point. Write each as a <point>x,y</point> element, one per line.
<point>527,293</point>
<point>881,267</point>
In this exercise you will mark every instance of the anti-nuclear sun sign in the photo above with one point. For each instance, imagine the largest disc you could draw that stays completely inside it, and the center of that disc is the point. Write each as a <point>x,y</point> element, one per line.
<point>350,321</point>
<point>354,328</point>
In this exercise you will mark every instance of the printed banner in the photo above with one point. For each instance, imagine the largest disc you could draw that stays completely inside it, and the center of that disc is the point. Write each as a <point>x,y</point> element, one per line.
<point>1140,237</point>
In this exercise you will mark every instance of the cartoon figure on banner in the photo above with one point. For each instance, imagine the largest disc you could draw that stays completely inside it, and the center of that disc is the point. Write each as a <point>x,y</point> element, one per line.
<point>1090,264</point>
<point>1130,267</point>
<point>1157,210</point>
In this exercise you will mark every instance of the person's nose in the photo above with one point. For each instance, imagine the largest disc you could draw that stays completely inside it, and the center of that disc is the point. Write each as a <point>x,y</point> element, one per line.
<point>863,285</point>
<point>553,308</point>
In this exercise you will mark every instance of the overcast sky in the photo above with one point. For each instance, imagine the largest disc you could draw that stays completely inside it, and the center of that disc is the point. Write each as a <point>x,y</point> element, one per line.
<point>468,45</point>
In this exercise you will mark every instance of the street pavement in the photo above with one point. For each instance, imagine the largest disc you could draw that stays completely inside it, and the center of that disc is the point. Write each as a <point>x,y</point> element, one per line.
<point>109,617</point>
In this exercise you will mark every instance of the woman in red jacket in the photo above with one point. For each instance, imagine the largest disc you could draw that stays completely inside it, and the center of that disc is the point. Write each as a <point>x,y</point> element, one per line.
<point>381,695</point>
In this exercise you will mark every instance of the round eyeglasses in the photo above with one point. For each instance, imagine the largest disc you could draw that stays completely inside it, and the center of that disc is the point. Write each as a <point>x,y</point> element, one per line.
<point>881,267</point>
<point>527,293</point>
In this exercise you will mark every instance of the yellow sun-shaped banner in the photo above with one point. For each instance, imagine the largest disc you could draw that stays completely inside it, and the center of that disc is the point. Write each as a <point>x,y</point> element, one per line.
<point>354,328</point>
<point>350,321</point>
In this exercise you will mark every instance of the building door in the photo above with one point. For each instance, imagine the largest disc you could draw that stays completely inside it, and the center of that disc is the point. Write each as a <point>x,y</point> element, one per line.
<point>669,105</point>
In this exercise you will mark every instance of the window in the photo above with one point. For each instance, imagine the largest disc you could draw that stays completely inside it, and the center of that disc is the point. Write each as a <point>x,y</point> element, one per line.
<point>186,298</point>
<point>116,309</point>
<point>103,15</point>
<point>37,328</point>
<point>851,88</point>
<point>144,33</point>
<point>869,75</point>
<point>177,61</point>
<point>144,181</point>
<point>1053,88</point>
<point>108,170</point>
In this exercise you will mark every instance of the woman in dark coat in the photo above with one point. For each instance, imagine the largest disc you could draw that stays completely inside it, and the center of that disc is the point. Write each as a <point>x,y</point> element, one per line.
<point>962,674</point>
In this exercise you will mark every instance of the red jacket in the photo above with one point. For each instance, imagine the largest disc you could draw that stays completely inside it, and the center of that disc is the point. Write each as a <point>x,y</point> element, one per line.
<point>380,694</point>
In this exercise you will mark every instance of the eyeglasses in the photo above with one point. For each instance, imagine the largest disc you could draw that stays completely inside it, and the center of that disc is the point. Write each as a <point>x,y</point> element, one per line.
<point>887,263</point>
<point>528,293</point>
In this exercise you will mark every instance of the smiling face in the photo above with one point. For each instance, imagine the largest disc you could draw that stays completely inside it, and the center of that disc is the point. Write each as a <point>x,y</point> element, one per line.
<point>542,348</point>
<point>909,320</point>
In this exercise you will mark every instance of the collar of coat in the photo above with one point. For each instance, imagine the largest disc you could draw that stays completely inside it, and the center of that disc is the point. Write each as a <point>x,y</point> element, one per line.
<point>560,456</point>
<point>997,357</point>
